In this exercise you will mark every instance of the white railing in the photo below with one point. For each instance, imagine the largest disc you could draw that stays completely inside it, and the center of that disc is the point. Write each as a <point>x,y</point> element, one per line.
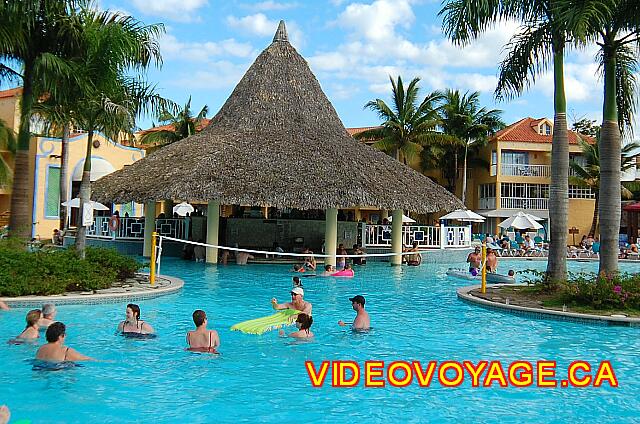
<point>523,203</point>
<point>426,236</point>
<point>133,228</point>
<point>487,203</point>
<point>519,170</point>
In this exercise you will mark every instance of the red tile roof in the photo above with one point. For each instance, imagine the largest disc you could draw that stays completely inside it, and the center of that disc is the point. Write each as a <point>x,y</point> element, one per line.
<point>12,92</point>
<point>354,131</point>
<point>201,125</point>
<point>525,131</point>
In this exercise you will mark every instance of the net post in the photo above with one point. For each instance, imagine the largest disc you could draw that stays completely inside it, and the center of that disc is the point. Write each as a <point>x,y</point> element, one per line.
<point>484,267</point>
<point>152,266</point>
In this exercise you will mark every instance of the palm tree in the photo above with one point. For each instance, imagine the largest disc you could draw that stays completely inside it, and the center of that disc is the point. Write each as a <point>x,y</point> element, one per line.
<point>468,124</point>
<point>38,35</point>
<point>111,99</point>
<point>406,125</point>
<point>540,42</point>
<point>7,144</point>
<point>183,124</point>
<point>587,173</point>
<point>615,26</point>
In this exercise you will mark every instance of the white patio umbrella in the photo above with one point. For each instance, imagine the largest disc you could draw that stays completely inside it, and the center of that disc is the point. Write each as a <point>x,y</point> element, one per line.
<point>183,209</point>
<point>464,215</point>
<point>75,203</point>
<point>521,221</point>
<point>405,219</point>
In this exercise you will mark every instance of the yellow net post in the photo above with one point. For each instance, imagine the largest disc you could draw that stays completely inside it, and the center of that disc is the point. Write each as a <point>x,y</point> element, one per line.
<point>152,266</point>
<point>484,267</point>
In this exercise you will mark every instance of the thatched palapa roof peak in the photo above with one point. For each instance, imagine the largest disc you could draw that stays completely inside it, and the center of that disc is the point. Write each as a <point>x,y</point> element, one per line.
<point>276,141</point>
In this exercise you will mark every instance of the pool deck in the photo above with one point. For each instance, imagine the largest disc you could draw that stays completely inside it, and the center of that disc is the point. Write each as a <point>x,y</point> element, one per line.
<point>132,289</point>
<point>533,309</point>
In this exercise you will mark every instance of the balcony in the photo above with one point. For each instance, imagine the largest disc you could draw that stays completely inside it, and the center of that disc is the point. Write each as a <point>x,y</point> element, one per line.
<point>521,170</point>
<point>524,203</point>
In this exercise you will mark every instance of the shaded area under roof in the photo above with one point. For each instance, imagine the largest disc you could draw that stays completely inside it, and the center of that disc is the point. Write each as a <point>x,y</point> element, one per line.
<point>277,141</point>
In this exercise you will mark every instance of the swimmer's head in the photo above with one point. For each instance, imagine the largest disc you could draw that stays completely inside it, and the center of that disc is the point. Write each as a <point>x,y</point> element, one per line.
<point>304,321</point>
<point>511,273</point>
<point>32,317</point>
<point>328,267</point>
<point>48,310</point>
<point>297,282</point>
<point>199,317</point>
<point>133,311</point>
<point>55,331</point>
<point>297,267</point>
<point>347,266</point>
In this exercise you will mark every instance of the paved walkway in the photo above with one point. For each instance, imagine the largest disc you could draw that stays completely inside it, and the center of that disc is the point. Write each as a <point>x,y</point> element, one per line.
<point>132,289</point>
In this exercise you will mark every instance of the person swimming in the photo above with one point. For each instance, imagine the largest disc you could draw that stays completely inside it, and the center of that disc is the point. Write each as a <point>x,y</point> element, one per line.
<point>303,322</point>
<point>132,324</point>
<point>201,339</point>
<point>48,316</point>
<point>55,350</point>
<point>298,268</point>
<point>328,270</point>
<point>346,272</point>
<point>31,330</point>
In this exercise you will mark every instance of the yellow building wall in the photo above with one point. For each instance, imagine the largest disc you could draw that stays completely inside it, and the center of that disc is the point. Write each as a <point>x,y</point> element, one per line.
<point>48,155</point>
<point>580,216</point>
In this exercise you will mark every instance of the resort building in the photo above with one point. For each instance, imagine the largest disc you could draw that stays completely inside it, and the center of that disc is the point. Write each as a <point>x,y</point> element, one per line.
<point>44,169</point>
<point>519,175</point>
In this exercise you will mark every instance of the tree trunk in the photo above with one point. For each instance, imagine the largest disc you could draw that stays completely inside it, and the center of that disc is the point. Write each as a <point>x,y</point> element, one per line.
<point>464,175</point>
<point>594,221</point>
<point>85,196</point>
<point>64,176</point>
<point>559,187</point>
<point>21,221</point>
<point>610,151</point>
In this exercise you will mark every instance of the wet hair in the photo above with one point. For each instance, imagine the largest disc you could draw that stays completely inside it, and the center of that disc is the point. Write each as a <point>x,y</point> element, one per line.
<point>327,267</point>
<point>136,310</point>
<point>511,273</point>
<point>297,267</point>
<point>48,309</point>
<point>297,282</point>
<point>347,266</point>
<point>305,321</point>
<point>32,317</point>
<point>54,331</point>
<point>198,317</point>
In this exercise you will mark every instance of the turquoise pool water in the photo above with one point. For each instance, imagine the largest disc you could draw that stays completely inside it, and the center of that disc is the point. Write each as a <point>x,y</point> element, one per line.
<point>415,315</point>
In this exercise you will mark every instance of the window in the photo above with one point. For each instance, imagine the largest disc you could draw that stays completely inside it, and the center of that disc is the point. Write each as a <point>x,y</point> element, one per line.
<point>577,192</point>
<point>487,190</point>
<point>510,157</point>
<point>522,190</point>
<point>494,163</point>
<point>52,193</point>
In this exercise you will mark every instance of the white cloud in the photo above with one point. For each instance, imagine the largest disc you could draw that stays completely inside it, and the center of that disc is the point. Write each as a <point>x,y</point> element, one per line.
<point>377,21</point>
<point>271,5</point>
<point>219,75</point>
<point>261,26</point>
<point>204,51</point>
<point>175,10</point>
<point>581,82</point>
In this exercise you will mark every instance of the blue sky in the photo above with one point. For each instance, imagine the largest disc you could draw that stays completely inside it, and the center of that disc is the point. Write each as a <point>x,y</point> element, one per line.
<point>351,46</point>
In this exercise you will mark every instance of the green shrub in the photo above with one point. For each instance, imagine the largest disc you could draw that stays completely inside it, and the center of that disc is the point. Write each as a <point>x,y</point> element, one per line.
<point>56,271</point>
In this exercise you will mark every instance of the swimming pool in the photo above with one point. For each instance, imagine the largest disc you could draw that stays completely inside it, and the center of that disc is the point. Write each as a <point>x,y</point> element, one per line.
<point>415,315</point>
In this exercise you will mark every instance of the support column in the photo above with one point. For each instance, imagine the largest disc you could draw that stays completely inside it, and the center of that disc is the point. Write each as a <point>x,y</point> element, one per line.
<point>396,236</point>
<point>265,212</point>
<point>331,235</point>
<point>357,215</point>
<point>213,225</point>
<point>149,227</point>
<point>384,214</point>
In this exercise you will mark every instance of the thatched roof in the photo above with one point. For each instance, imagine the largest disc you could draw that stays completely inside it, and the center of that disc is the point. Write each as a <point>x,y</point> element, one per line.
<point>277,141</point>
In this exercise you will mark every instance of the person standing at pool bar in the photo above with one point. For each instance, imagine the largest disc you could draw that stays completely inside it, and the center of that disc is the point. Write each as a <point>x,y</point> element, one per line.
<point>297,302</point>
<point>362,321</point>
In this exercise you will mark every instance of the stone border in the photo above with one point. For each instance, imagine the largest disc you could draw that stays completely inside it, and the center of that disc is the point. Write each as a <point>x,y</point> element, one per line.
<point>538,313</point>
<point>165,285</point>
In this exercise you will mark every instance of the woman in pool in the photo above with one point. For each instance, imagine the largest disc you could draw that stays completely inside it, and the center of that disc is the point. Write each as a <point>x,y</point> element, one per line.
<point>132,324</point>
<point>201,339</point>
<point>55,350</point>
<point>303,322</point>
<point>31,330</point>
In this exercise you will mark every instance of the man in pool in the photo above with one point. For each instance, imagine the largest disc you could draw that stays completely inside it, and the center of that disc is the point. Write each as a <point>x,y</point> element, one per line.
<point>475,261</point>
<point>297,302</point>
<point>362,321</point>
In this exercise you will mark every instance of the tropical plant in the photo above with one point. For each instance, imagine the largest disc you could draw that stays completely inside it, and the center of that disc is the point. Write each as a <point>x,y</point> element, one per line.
<point>406,125</point>
<point>540,42</point>
<point>469,126</point>
<point>587,173</point>
<point>38,36</point>
<point>115,45</point>
<point>8,145</point>
<point>181,125</point>
<point>615,27</point>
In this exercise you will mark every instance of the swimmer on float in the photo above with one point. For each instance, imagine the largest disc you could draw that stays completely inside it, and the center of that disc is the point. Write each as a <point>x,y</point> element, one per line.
<point>303,322</point>
<point>55,350</point>
<point>346,272</point>
<point>201,339</point>
<point>132,323</point>
<point>298,268</point>
<point>297,302</point>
